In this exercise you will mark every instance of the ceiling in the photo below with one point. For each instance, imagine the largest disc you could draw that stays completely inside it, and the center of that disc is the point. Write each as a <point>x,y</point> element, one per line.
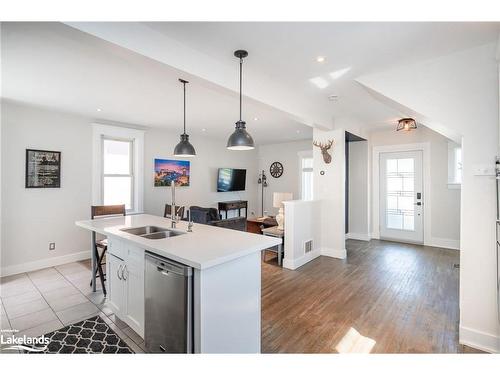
<point>286,52</point>
<point>57,66</point>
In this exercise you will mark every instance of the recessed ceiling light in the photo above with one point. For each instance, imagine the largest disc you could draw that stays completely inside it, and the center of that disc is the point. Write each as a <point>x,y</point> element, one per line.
<point>320,59</point>
<point>255,118</point>
<point>319,82</point>
<point>339,73</point>
<point>203,130</point>
<point>298,131</point>
<point>333,97</point>
<point>99,109</point>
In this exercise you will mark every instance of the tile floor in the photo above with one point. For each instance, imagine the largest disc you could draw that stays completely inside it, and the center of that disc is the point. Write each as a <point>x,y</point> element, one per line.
<point>42,301</point>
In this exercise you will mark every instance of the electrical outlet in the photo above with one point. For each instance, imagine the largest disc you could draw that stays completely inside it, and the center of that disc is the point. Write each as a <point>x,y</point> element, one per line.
<point>52,245</point>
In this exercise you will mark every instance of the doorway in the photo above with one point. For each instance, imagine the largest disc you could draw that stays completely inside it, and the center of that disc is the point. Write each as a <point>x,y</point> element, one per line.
<point>356,188</point>
<point>401,213</point>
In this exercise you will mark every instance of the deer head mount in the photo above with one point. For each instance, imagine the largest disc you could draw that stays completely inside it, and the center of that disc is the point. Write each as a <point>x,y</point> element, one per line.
<point>327,158</point>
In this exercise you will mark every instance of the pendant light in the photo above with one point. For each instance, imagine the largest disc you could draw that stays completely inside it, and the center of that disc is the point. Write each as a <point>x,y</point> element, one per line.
<point>184,148</point>
<point>240,139</point>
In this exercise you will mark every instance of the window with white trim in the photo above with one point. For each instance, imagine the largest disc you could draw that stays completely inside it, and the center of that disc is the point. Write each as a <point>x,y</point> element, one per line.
<point>306,164</point>
<point>118,172</point>
<point>454,165</point>
<point>117,166</point>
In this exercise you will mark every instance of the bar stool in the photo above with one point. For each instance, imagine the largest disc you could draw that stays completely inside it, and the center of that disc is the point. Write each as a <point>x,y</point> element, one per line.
<point>102,245</point>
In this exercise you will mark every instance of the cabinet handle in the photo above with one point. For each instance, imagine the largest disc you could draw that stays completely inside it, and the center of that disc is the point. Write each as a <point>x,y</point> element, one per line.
<point>123,275</point>
<point>118,272</point>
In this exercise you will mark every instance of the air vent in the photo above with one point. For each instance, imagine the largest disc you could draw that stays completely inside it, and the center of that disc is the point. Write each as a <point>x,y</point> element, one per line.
<point>308,246</point>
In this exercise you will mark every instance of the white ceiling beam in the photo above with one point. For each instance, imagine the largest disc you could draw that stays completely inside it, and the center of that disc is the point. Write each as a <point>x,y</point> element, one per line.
<point>218,74</point>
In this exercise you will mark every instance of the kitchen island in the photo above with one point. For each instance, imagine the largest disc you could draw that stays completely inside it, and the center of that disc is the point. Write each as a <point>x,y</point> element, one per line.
<point>225,284</point>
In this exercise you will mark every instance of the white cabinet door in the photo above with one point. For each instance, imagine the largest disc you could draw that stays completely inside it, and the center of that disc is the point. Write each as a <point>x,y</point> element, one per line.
<point>126,284</point>
<point>116,285</point>
<point>135,299</point>
<point>134,275</point>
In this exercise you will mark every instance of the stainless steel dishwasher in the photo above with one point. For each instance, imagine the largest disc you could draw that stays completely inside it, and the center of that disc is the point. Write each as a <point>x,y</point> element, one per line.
<point>169,306</point>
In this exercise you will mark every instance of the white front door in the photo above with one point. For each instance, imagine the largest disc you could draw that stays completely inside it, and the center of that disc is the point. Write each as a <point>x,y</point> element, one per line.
<point>401,199</point>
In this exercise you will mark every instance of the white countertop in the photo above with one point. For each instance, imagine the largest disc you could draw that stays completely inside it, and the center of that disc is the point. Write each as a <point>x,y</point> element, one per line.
<point>206,246</point>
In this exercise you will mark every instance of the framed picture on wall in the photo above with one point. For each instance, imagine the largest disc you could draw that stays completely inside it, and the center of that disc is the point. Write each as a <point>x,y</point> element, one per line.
<point>43,169</point>
<point>167,171</point>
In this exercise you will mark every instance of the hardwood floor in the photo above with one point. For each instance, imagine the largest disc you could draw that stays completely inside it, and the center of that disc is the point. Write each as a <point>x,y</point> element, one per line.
<point>404,297</point>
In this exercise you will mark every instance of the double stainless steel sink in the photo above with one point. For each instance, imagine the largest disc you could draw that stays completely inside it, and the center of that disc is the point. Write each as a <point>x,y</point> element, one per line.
<point>152,232</point>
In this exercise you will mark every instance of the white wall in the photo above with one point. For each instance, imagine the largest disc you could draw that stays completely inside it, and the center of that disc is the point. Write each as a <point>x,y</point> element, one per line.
<point>210,155</point>
<point>34,217</point>
<point>289,182</point>
<point>445,202</point>
<point>302,224</point>
<point>329,188</point>
<point>358,191</point>
<point>460,92</point>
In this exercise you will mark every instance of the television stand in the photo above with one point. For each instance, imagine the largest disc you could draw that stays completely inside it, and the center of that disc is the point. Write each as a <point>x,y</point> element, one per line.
<point>233,205</point>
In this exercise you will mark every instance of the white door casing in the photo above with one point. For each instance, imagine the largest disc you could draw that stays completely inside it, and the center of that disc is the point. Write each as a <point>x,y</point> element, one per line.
<point>401,196</point>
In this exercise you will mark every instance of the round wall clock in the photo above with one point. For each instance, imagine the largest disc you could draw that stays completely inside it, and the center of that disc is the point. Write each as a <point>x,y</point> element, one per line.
<point>276,169</point>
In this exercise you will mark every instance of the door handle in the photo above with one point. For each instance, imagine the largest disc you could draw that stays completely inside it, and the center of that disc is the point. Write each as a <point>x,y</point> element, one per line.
<point>118,272</point>
<point>123,270</point>
<point>418,204</point>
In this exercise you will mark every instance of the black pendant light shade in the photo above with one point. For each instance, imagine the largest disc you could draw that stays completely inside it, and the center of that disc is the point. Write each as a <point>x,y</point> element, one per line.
<point>184,147</point>
<point>240,139</point>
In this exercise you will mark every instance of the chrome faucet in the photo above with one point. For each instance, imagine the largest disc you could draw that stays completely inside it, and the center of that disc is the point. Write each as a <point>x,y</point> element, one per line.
<point>190,223</point>
<point>173,208</point>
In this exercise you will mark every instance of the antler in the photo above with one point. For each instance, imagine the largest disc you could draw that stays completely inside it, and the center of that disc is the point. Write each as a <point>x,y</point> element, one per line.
<point>323,146</point>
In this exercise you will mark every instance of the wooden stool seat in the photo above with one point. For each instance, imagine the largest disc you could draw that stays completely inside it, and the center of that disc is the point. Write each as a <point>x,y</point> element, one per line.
<point>102,243</point>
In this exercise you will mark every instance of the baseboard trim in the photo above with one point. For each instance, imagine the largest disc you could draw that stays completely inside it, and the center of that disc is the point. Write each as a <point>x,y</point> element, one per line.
<point>293,264</point>
<point>479,340</point>
<point>358,236</point>
<point>44,263</point>
<point>334,253</point>
<point>445,243</point>
<point>375,235</point>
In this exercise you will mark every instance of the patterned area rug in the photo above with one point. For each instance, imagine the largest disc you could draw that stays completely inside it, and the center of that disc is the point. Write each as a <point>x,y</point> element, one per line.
<point>91,335</point>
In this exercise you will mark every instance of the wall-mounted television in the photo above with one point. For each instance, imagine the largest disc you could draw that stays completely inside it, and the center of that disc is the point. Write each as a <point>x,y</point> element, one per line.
<point>230,179</point>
